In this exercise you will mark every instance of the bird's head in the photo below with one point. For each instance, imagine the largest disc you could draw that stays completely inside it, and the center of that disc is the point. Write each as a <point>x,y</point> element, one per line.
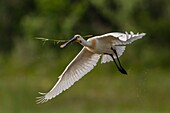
<point>76,38</point>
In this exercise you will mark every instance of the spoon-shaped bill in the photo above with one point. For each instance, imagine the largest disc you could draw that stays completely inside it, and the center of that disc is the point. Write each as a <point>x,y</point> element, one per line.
<point>68,42</point>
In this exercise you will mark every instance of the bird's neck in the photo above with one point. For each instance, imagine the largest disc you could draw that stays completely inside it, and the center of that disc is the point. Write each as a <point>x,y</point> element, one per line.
<point>85,43</point>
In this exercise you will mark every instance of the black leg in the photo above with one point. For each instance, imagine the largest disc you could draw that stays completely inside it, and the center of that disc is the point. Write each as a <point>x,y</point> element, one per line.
<point>121,69</point>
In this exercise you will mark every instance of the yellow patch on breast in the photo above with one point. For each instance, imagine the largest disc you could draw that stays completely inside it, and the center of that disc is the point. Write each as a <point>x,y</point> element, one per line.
<point>93,45</point>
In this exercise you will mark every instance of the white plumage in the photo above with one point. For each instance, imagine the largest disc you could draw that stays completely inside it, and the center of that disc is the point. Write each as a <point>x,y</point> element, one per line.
<point>88,57</point>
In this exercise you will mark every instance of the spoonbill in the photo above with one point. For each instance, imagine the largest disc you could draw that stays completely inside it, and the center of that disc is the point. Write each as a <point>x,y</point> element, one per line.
<point>109,46</point>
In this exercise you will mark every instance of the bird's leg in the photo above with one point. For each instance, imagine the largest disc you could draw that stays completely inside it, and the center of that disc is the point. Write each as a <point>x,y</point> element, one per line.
<point>116,63</point>
<point>121,69</point>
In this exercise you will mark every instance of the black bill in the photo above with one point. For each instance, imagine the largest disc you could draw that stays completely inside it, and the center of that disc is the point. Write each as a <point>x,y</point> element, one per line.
<point>71,40</point>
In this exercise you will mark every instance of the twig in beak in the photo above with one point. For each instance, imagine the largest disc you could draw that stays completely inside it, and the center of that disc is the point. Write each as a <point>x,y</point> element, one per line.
<point>55,41</point>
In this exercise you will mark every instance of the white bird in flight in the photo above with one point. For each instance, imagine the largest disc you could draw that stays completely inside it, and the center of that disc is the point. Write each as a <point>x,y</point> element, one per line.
<point>109,46</point>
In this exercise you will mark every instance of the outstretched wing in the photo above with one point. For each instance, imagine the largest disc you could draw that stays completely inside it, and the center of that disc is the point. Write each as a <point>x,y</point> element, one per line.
<point>126,38</point>
<point>119,40</point>
<point>83,63</point>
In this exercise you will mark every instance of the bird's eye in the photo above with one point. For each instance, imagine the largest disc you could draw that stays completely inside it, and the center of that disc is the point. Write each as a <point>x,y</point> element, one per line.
<point>78,37</point>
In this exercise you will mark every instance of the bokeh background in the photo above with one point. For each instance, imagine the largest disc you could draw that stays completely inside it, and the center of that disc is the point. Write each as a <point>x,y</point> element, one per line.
<point>27,66</point>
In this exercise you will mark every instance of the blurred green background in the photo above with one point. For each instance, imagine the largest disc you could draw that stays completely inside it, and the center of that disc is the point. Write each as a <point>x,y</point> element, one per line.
<point>27,67</point>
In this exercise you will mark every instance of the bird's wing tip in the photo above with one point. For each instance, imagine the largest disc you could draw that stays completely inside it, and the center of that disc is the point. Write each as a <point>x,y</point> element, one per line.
<point>143,34</point>
<point>42,93</point>
<point>41,99</point>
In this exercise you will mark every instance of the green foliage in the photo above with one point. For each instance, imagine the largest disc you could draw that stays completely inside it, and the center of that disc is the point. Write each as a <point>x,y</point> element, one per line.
<point>28,66</point>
